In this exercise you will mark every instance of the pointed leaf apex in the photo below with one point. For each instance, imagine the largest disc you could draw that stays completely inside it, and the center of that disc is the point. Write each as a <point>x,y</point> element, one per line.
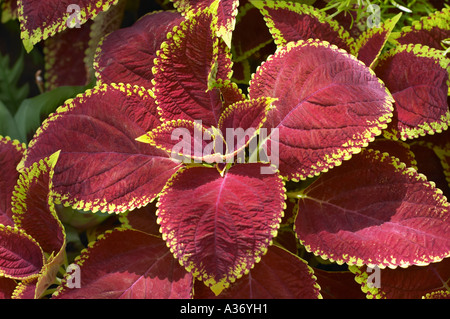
<point>53,159</point>
<point>146,138</point>
<point>217,288</point>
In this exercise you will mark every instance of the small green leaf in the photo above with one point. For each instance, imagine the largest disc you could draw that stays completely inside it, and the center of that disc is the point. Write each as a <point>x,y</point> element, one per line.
<point>10,93</point>
<point>7,124</point>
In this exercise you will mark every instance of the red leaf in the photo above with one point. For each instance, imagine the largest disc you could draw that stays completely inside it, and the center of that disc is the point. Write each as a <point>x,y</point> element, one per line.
<point>127,264</point>
<point>21,257</point>
<point>126,55</point>
<point>11,153</point>
<point>370,44</point>
<point>218,226</point>
<point>42,19</point>
<point>430,30</point>
<point>34,213</point>
<point>279,275</point>
<point>225,11</point>
<point>241,121</point>
<point>411,283</point>
<point>187,68</point>
<point>101,166</point>
<point>290,21</point>
<point>374,210</point>
<point>183,140</point>
<point>25,289</point>
<point>418,79</point>
<point>329,106</point>
<point>33,207</point>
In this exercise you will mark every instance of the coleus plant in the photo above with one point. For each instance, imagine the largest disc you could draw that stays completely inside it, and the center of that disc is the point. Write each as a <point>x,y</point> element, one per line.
<point>321,100</point>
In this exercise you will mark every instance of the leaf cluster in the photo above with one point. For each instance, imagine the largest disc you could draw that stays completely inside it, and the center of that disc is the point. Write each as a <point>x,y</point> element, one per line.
<point>120,180</point>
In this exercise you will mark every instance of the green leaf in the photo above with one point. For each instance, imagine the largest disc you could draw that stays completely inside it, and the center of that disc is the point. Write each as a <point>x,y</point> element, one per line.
<point>10,93</point>
<point>32,111</point>
<point>7,124</point>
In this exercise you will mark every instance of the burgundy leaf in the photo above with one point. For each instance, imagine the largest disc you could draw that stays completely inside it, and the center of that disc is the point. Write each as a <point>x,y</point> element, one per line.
<point>218,226</point>
<point>11,153</point>
<point>143,219</point>
<point>399,149</point>
<point>370,44</point>
<point>21,257</point>
<point>127,264</point>
<point>224,10</point>
<point>251,32</point>
<point>291,21</point>
<point>241,122</point>
<point>411,283</point>
<point>418,79</point>
<point>42,19</point>
<point>127,55</point>
<point>329,106</point>
<point>430,30</point>
<point>187,68</point>
<point>101,166</point>
<point>338,284</point>
<point>374,210</point>
<point>279,275</point>
<point>183,140</point>
<point>33,207</point>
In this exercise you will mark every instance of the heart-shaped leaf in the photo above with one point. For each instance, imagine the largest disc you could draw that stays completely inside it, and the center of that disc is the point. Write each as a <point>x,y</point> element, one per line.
<point>418,78</point>
<point>374,210</point>
<point>218,226</point>
<point>329,106</point>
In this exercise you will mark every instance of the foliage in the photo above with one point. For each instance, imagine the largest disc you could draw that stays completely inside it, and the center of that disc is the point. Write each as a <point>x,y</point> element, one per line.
<point>225,149</point>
